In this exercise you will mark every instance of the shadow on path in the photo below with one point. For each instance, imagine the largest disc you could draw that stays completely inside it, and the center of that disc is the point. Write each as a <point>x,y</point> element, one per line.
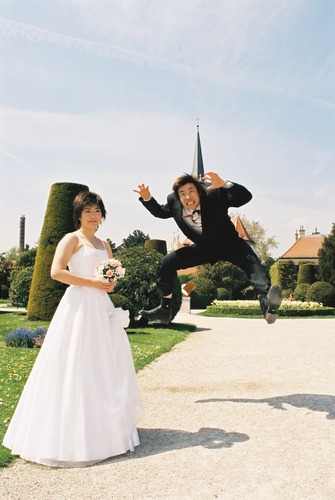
<point>314,402</point>
<point>156,441</point>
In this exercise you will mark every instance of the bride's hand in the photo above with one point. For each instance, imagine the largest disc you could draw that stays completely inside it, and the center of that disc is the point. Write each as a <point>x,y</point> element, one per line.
<point>106,286</point>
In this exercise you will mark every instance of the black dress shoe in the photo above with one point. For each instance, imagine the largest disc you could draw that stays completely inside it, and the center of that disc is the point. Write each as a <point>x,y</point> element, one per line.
<point>270,303</point>
<point>158,315</point>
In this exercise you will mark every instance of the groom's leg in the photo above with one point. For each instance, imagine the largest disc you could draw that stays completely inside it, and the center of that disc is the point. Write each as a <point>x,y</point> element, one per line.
<point>180,259</point>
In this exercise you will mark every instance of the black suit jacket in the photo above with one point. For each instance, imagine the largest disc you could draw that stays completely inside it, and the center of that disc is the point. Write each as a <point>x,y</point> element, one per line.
<point>217,229</point>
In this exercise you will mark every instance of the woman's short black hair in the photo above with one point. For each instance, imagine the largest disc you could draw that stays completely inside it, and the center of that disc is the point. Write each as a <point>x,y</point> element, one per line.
<point>83,199</point>
<point>186,179</point>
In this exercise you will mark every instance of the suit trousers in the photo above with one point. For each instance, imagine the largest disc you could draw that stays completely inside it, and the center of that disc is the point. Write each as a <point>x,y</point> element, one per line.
<point>240,254</point>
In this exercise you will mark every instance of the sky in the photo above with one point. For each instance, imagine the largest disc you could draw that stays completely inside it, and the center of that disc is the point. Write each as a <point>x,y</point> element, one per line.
<point>107,93</point>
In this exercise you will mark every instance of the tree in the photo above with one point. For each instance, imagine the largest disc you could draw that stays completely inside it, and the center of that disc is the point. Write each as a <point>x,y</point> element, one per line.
<point>135,239</point>
<point>262,243</point>
<point>45,293</point>
<point>112,244</point>
<point>26,258</point>
<point>326,269</point>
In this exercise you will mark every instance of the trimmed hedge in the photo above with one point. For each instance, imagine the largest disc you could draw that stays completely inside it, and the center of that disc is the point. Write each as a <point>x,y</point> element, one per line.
<point>252,308</point>
<point>251,311</point>
<point>158,245</point>
<point>45,293</point>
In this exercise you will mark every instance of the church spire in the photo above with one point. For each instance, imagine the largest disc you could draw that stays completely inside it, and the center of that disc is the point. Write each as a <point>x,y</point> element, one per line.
<point>198,165</point>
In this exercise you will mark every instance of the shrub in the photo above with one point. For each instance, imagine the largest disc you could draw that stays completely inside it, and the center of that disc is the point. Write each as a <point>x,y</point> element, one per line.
<point>284,274</point>
<point>4,292</point>
<point>224,275</point>
<point>21,337</point>
<point>139,283</point>
<point>286,293</point>
<point>306,273</point>
<point>203,294</point>
<point>251,308</point>
<point>321,292</point>
<point>185,278</point>
<point>45,293</point>
<point>223,294</point>
<point>301,291</point>
<point>125,304</point>
<point>20,286</point>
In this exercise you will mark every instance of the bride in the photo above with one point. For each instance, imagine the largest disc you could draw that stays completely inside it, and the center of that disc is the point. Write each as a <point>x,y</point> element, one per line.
<point>81,400</point>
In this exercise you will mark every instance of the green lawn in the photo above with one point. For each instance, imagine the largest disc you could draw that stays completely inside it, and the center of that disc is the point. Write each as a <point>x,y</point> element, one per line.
<point>147,344</point>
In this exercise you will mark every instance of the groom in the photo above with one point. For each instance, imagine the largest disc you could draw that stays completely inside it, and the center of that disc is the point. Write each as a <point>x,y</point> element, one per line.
<point>201,212</point>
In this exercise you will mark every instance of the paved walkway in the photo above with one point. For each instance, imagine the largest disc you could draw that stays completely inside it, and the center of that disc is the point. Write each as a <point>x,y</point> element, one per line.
<point>240,410</point>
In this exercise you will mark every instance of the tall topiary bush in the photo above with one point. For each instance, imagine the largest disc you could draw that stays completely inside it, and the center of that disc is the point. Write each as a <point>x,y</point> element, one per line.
<point>158,245</point>
<point>284,274</point>
<point>306,273</point>
<point>45,293</point>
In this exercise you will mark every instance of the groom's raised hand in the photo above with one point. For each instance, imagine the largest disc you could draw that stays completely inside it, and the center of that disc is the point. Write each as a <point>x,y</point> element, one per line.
<point>143,191</point>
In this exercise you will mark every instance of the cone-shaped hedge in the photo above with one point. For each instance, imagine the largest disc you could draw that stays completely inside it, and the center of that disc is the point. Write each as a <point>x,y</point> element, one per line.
<point>45,293</point>
<point>158,245</point>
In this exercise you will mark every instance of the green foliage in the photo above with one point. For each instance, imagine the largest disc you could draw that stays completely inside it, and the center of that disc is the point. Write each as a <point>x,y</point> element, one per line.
<point>223,294</point>
<point>158,245</point>
<point>284,274</point>
<point>286,293</point>
<point>306,273</point>
<point>301,291</point>
<point>224,275</point>
<point>321,292</point>
<point>26,258</point>
<point>326,270</point>
<point>204,293</point>
<point>136,239</point>
<point>20,286</point>
<point>125,304</point>
<point>46,293</point>
<point>251,308</point>
<point>4,292</point>
<point>6,267</point>
<point>185,278</point>
<point>139,284</point>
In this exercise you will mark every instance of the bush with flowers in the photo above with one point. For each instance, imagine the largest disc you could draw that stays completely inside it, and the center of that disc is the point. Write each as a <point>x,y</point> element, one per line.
<point>252,308</point>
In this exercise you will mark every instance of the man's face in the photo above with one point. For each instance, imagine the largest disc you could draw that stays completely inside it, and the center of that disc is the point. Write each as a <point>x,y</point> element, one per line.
<point>189,196</point>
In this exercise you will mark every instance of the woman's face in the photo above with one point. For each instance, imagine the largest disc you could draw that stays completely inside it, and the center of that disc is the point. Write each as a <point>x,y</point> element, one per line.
<point>90,217</point>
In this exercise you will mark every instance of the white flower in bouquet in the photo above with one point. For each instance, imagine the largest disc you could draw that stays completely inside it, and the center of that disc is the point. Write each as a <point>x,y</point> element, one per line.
<point>110,269</point>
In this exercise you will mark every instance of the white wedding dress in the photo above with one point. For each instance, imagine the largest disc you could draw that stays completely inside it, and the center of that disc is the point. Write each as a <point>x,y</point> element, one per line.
<point>81,401</point>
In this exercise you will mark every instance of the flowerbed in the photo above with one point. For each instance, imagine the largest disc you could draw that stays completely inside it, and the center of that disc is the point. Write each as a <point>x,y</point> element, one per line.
<point>252,308</point>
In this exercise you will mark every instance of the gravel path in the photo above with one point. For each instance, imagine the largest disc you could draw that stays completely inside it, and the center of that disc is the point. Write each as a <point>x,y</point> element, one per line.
<point>240,410</point>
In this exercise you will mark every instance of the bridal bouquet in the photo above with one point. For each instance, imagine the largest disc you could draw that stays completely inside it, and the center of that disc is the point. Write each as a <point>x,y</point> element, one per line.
<point>110,269</point>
